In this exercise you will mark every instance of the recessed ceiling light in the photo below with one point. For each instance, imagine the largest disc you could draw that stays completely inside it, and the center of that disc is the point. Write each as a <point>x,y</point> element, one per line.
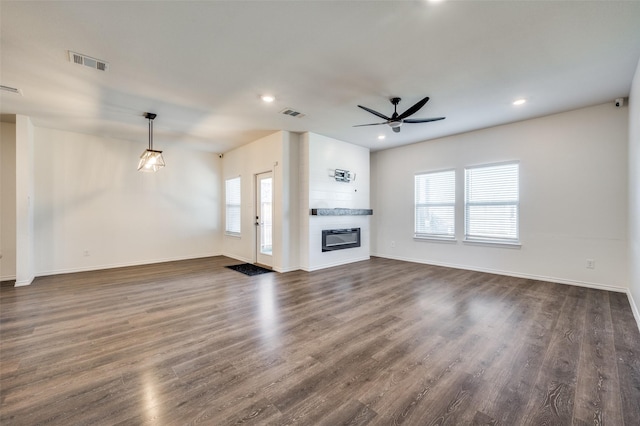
<point>519,101</point>
<point>381,137</point>
<point>268,98</point>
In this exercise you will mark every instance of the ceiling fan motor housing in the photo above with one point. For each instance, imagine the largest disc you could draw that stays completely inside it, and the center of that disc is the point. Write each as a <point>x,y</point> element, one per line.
<point>396,120</point>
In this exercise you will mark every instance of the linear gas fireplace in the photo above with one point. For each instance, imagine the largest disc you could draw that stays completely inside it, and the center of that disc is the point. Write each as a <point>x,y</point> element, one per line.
<point>339,239</point>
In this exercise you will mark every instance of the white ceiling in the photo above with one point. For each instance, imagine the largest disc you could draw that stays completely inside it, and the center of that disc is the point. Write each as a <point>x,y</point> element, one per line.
<point>201,66</point>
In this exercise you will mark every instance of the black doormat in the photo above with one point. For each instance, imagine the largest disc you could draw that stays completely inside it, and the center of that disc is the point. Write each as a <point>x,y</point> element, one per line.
<point>249,269</point>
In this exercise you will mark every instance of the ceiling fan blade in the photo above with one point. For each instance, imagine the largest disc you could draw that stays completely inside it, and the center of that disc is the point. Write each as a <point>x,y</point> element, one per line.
<point>422,120</point>
<point>384,117</point>
<point>413,109</point>
<point>372,124</point>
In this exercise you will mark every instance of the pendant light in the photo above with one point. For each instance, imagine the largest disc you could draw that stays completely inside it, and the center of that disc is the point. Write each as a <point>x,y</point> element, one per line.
<point>150,160</point>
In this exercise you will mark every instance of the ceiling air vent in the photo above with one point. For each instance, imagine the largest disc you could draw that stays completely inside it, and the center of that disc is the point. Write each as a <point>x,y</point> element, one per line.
<point>11,90</point>
<point>88,61</point>
<point>292,112</point>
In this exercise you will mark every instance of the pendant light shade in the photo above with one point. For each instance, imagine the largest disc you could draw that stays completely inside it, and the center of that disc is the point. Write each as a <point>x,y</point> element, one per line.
<point>150,160</point>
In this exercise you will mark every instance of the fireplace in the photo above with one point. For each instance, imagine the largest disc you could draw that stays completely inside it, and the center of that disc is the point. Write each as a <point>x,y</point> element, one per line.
<point>340,239</point>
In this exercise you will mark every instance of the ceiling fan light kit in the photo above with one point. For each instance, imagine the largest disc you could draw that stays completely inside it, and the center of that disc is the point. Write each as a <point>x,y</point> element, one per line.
<point>396,120</point>
<point>151,160</point>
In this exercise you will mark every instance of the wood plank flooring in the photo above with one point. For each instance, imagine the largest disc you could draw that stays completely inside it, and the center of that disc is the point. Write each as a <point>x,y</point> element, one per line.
<point>380,342</point>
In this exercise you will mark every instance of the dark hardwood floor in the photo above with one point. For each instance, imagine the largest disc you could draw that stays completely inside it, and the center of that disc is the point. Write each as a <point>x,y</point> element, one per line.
<point>376,342</point>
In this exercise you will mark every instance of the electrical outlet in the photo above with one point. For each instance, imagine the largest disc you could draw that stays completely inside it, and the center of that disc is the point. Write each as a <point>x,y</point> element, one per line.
<point>591,264</point>
<point>393,244</point>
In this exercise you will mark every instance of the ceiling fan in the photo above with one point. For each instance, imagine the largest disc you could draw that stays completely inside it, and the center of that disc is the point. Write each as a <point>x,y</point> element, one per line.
<point>395,121</point>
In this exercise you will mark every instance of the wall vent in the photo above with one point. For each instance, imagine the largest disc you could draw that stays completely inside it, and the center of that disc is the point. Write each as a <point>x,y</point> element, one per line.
<point>11,90</point>
<point>88,61</point>
<point>292,113</point>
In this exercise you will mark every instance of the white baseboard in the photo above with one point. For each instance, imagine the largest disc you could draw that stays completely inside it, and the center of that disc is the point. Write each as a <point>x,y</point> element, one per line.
<point>634,308</point>
<point>122,265</point>
<point>238,258</point>
<point>8,278</point>
<point>283,270</point>
<point>597,286</point>
<point>23,283</point>
<point>331,265</point>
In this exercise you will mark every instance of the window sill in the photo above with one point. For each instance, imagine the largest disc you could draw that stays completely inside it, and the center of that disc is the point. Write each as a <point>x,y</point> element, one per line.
<point>232,234</point>
<point>490,243</point>
<point>435,239</point>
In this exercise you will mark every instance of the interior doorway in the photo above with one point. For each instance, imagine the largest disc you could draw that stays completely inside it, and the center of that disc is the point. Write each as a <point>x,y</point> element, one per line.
<point>264,219</point>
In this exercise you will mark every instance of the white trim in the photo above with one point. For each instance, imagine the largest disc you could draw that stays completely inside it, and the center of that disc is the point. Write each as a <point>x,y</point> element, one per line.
<point>24,283</point>
<point>492,243</point>
<point>597,286</point>
<point>452,240</point>
<point>331,265</point>
<point>634,308</point>
<point>499,163</point>
<point>239,258</point>
<point>8,278</point>
<point>282,270</point>
<point>122,265</point>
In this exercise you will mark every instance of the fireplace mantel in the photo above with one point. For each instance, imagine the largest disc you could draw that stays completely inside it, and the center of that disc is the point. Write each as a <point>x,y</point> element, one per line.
<point>341,212</point>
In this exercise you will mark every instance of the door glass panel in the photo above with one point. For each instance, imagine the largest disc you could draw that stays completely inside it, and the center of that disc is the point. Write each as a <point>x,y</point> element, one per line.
<point>266,199</point>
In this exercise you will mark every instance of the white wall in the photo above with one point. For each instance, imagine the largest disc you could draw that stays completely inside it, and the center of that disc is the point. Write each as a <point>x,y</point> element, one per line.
<point>275,153</point>
<point>634,194</point>
<point>288,259</point>
<point>319,156</point>
<point>573,189</point>
<point>94,210</point>
<point>25,213</point>
<point>7,201</point>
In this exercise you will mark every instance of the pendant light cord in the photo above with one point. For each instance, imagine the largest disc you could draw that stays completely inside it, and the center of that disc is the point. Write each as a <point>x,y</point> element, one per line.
<point>151,134</point>
<point>150,116</point>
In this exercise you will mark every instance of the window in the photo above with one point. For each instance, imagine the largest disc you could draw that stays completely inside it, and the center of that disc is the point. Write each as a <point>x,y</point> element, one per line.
<point>232,197</point>
<point>491,205</point>
<point>435,203</point>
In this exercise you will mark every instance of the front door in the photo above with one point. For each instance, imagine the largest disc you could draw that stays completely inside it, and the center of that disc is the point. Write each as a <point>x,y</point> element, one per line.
<point>264,218</point>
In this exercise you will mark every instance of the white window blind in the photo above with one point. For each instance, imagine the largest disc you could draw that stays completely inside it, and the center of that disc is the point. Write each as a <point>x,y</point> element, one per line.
<point>435,203</point>
<point>492,203</point>
<point>232,197</point>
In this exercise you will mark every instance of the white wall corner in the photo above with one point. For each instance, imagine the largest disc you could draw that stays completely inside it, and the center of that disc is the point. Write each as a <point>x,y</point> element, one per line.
<point>634,194</point>
<point>25,265</point>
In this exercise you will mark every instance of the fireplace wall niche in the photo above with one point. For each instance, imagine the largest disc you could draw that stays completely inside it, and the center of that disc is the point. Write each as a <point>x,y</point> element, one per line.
<point>327,204</point>
<point>340,239</point>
